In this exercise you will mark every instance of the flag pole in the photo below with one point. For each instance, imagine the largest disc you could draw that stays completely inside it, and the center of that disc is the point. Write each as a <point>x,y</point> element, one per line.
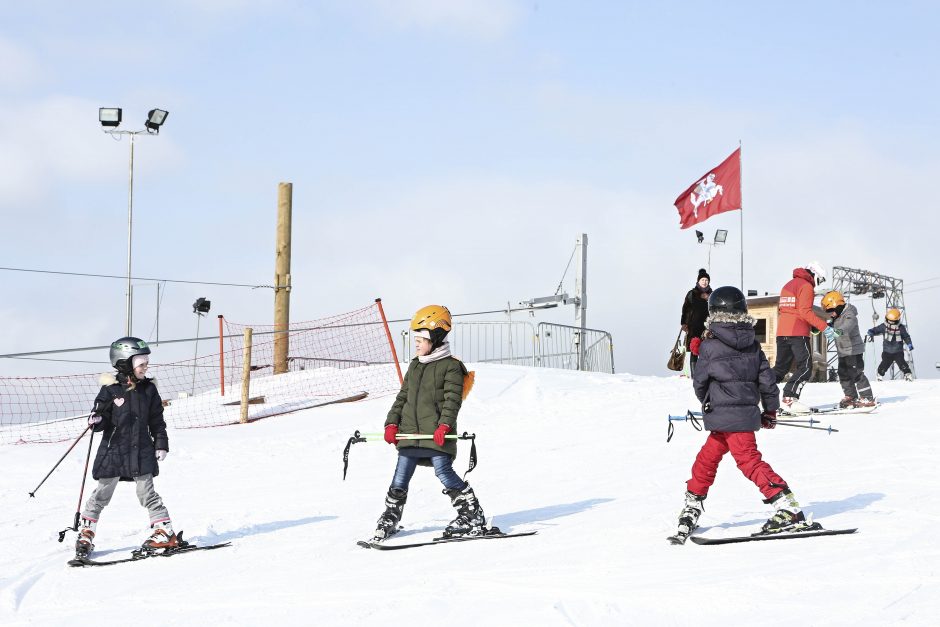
<point>741,170</point>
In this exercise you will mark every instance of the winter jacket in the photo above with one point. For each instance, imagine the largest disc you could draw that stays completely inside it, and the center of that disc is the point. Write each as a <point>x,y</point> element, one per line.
<point>850,342</point>
<point>795,312</point>
<point>431,395</point>
<point>732,376</point>
<point>132,429</point>
<point>694,312</point>
<point>896,336</point>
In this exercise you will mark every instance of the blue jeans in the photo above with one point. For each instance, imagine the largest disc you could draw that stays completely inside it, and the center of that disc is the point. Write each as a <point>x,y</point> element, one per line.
<point>408,460</point>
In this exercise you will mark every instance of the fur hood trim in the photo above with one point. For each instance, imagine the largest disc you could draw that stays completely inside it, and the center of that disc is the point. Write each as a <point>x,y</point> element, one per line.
<point>109,378</point>
<point>724,316</point>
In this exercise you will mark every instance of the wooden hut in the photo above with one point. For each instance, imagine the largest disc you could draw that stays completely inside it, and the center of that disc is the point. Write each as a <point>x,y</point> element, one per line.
<point>764,311</point>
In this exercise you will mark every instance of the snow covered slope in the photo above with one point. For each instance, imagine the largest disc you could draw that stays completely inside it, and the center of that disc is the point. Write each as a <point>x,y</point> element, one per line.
<point>581,458</point>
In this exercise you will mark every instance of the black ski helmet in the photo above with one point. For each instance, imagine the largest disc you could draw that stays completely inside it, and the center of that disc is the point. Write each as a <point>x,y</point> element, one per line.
<point>124,349</point>
<point>728,299</point>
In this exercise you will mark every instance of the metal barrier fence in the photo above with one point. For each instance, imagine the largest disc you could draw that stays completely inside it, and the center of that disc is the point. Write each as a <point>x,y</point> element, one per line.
<point>522,343</point>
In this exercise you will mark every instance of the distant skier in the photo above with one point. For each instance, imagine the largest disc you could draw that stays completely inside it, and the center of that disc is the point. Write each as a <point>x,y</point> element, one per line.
<point>430,397</point>
<point>694,312</point>
<point>795,318</point>
<point>129,413</point>
<point>851,350</point>
<point>892,351</point>
<point>732,380</point>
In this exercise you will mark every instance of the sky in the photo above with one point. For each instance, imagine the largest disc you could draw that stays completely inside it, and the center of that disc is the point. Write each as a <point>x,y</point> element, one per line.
<point>452,153</point>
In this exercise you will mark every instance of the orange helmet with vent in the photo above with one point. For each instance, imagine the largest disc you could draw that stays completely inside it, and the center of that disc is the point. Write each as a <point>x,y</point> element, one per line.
<point>893,316</point>
<point>832,300</point>
<point>432,317</point>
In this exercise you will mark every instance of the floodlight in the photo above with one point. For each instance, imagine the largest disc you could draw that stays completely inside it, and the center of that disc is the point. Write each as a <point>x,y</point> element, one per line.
<point>721,236</point>
<point>155,119</point>
<point>752,293</point>
<point>109,116</point>
<point>201,306</point>
<point>700,236</point>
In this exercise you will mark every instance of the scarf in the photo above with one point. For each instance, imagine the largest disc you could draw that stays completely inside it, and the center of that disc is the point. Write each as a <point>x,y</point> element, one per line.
<point>440,352</point>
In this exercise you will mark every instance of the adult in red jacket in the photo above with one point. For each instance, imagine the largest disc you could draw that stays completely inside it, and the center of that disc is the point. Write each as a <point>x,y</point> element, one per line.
<point>795,318</point>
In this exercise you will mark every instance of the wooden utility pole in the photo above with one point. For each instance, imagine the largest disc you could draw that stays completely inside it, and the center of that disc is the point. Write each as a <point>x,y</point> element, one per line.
<point>282,277</point>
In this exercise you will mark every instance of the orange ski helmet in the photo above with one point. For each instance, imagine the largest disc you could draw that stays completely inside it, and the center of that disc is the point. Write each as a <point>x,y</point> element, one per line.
<point>832,300</point>
<point>893,316</point>
<point>432,317</point>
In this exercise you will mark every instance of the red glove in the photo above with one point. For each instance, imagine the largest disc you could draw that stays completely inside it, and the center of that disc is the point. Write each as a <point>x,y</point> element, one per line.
<point>390,432</point>
<point>694,344</point>
<point>439,434</point>
<point>768,419</point>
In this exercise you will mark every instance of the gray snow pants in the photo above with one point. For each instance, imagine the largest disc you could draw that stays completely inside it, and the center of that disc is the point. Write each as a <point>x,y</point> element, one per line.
<point>147,496</point>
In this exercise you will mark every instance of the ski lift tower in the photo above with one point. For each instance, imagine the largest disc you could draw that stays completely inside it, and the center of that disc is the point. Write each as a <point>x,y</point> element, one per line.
<point>579,300</point>
<point>855,282</point>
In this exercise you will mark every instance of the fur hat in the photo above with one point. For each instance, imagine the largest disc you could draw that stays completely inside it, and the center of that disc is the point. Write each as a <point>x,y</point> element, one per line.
<point>702,273</point>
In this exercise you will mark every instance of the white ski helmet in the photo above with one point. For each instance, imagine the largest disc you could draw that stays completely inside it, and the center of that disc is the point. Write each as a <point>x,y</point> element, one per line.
<point>819,274</point>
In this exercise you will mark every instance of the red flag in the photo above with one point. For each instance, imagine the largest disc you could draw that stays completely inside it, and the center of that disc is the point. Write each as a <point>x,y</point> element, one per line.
<point>716,192</point>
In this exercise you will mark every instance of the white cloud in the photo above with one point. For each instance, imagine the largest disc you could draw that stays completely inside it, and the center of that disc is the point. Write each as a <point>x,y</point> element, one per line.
<point>18,68</point>
<point>488,19</point>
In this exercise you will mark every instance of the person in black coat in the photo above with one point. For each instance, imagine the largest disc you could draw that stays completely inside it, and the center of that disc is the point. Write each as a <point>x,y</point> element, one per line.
<point>694,313</point>
<point>732,380</point>
<point>129,415</point>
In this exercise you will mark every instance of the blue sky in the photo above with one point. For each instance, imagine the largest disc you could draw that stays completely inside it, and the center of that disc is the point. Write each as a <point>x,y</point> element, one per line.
<point>453,151</point>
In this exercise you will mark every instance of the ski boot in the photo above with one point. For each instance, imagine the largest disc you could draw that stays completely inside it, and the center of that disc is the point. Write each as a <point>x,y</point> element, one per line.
<point>880,377</point>
<point>688,517</point>
<point>788,517</point>
<point>86,537</point>
<point>847,402</point>
<point>866,402</point>
<point>470,520</point>
<point>387,525</point>
<point>792,405</point>
<point>161,540</point>
<point>908,376</point>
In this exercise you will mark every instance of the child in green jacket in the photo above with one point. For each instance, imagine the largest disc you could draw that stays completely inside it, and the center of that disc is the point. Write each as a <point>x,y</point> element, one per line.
<point>430,397</point>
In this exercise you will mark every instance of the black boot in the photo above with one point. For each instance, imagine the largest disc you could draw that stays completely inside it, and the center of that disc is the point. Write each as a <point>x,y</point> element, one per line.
<point>388,521</point>
<point>688,517</point>
<point>470,517</point>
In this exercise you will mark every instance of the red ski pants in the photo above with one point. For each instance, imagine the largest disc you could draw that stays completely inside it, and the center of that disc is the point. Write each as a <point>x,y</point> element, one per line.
<point>743,447</point>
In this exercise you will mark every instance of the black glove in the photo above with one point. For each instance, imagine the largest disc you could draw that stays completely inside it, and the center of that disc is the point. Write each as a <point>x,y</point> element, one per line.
<point>768,419</point>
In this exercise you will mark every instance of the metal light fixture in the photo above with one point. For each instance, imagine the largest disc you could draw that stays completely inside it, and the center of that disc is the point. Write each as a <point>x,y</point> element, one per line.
<point>700,236</point>
<point>155,119</point>
<point>721,236</point>
<point>201,306</point>
<point>110,117</point>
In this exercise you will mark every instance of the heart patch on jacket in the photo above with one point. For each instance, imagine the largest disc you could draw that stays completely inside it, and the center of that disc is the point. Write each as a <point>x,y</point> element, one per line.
<point>119,401</point>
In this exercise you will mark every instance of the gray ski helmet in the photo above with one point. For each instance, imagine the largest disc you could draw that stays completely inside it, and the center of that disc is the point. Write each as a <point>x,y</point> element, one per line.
<point>727,298</point>
<point>124,349</point>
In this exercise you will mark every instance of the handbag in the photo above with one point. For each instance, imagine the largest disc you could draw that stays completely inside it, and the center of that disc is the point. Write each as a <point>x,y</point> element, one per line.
<point>677,356</point>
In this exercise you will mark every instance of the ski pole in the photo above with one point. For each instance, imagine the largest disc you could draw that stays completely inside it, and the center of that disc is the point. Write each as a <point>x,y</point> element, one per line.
<point>36,489</point>
<point>691,416</point>
<point>811,421</point>
<point>380,437</point>
<point>81,493</point>
<point>789,424</point>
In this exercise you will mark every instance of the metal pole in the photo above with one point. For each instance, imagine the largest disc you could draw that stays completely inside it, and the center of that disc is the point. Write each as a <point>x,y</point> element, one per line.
<point>196,356</point>
<point>158,313</point>
<point>581,291</point>
<point>741,171</point>
<point>130,225</point>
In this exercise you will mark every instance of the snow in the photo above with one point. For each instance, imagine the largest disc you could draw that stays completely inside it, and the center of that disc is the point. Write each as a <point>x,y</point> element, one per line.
<point>579,457</point>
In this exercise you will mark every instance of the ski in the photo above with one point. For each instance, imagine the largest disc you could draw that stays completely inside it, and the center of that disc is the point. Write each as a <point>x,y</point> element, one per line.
<point>811,532</point>
<point>679,538</point>
<point>442,540</point>
<point>136,557</point>
<point>830,410</point>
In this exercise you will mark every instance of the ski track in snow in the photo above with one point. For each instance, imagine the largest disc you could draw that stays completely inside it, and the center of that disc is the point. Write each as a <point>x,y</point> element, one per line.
<point>579,457</point>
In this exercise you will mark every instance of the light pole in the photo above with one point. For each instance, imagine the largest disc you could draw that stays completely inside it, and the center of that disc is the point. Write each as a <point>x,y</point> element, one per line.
<point>721,236</point>
<point>110,119</point>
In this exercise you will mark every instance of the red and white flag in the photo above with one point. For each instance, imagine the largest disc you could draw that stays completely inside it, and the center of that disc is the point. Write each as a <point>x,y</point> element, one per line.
<point>716,192</point>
